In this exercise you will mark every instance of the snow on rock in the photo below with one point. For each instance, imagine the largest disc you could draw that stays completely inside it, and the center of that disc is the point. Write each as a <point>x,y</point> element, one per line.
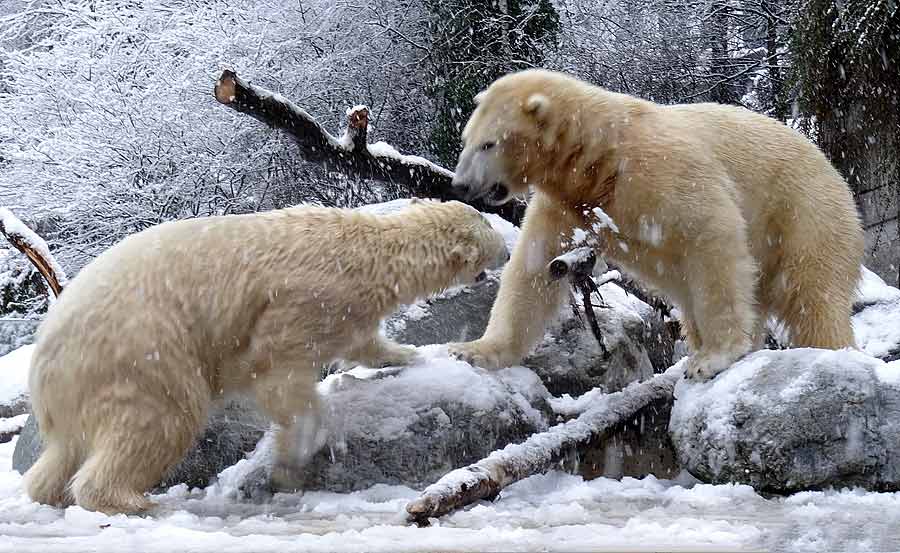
<point>876,319</point>
<point>791,420</point>
<point>14,381</point>
<point>411,425</point>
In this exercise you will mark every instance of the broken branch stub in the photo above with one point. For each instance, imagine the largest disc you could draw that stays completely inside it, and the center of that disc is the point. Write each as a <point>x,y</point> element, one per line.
<point>355,158</point>
<point>577,264</point>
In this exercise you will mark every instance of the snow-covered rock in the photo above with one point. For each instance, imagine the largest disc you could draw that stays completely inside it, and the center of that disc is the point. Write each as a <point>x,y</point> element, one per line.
<point>802,418</point>
<point>568,359</point>
<point>412,425</point>
<point>793,419</point>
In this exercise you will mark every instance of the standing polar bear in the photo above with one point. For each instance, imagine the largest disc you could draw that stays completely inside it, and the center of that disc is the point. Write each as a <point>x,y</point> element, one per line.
<point>130,358</point>
<point>732,215</point>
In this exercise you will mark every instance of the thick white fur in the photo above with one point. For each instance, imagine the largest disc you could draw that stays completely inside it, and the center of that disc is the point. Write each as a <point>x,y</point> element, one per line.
<point>732,215</point>
<point>130,358</point>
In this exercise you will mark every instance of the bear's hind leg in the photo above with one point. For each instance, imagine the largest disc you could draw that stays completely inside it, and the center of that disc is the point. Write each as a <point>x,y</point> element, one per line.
<point>127,460</point>
<point>816,308</point>
<point>47,480</point>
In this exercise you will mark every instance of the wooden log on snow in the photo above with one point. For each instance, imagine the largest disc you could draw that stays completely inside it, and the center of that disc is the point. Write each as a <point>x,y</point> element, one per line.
<point>539,453</point>
<point>35,249</point>
<point>351,154</point>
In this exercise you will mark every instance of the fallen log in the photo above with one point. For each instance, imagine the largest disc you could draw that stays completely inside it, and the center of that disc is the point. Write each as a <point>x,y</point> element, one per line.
<point>350,154</point>
<point>539,453</point>
<point>35,249</point>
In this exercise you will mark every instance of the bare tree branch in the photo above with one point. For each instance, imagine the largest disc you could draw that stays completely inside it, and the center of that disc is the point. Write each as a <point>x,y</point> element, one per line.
<point>539,453</point>
<point>351,154</point>
<point>35,249</point>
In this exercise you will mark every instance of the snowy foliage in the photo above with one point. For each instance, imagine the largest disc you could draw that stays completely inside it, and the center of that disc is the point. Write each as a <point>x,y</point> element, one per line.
<point>108,114</point>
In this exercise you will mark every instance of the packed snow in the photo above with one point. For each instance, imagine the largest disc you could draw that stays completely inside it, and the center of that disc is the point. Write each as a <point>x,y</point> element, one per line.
<point>551,512</point>
<point>877,327</point>
<point>14,374</point>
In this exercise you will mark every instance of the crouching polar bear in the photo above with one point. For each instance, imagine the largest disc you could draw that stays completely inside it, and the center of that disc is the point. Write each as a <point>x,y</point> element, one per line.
<point>130,358</point>
<point>732,215</point>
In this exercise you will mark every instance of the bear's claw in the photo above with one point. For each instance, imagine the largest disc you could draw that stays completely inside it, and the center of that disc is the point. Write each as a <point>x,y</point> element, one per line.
<point>479,354</point>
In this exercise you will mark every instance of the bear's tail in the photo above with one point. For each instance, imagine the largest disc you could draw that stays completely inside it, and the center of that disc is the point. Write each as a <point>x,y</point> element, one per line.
<point>47,481</point>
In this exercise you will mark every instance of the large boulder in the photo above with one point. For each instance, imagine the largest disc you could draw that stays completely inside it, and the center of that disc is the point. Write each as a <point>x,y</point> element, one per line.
<point>569,360</point>
<point>412,425</point>
<point>795,419</point>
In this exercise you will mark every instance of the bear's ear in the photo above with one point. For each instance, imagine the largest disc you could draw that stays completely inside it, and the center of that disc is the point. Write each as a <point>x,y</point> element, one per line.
<point>537,104</point>
<point>480,97</point>
<point>464,255</point>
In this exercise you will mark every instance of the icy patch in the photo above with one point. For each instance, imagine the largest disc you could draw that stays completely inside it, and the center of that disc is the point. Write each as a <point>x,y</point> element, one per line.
<point>14,374</point>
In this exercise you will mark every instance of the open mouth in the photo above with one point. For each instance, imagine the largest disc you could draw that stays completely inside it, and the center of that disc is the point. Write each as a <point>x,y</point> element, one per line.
<point>497,194</point>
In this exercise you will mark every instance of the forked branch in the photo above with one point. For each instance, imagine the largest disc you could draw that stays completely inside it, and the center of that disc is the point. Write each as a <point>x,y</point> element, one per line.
<point>350,154</point>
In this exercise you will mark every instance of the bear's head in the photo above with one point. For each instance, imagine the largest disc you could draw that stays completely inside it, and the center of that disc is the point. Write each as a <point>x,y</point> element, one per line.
<point>477,246</point>
<point>458,237</point>
<point>529,128</point>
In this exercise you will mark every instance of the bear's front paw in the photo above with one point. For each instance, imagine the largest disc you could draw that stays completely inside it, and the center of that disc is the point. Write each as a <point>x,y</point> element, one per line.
<point>482,354</point>
<point>257,486</point>
<point>397,356</point>
<point>705,366</point>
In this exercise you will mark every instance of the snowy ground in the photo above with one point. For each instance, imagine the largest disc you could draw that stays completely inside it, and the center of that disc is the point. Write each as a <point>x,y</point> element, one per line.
<point>553,512</point>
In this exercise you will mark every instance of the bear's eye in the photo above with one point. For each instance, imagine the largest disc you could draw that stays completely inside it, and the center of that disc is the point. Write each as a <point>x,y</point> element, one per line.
<point>487,146</point>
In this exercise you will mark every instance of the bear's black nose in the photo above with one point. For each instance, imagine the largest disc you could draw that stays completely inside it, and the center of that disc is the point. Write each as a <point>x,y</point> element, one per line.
<point>461,189</point>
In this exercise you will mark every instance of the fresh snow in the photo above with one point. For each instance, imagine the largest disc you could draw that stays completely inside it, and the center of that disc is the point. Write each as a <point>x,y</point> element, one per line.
<point>383,149</point>
<point>550,512</point>
<point>13,424</point>
<point>877,327</point>
<point>14,374</point>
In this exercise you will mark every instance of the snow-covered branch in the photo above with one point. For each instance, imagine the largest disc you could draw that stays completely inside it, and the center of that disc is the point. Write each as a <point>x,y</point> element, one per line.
<point>539,453</point>
<point>350,154</point>
<point>34,247</point>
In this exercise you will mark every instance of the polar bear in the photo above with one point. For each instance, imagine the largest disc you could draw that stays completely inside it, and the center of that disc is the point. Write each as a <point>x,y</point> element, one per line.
<point>732,215</point>
<point>129,359</point>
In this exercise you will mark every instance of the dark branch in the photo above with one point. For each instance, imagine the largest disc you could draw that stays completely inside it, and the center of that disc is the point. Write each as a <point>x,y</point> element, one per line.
<point>350,155</point>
